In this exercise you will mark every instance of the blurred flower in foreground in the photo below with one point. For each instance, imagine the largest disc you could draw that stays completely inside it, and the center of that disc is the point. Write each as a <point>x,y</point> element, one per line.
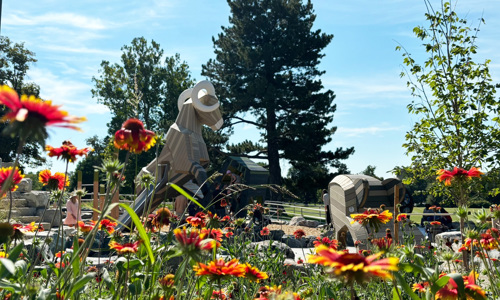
<point>219,269</point>
<point>53,182</point>
<point>85,228</point>
<point>372,217</point>
<point>162,217</point>
<point>67,151</point>
<point>134,137</point>
<point>352,266</point>
<point>29,115</point>
<point>402,217</point>
<point>16,178</point>
<point>457,173</point>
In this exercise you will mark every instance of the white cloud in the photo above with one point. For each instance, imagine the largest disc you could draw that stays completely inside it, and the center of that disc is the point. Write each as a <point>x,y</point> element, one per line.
<point>371,130</point>
<point>81,50</point>
<point>19,18</point>
<point>73,95</point>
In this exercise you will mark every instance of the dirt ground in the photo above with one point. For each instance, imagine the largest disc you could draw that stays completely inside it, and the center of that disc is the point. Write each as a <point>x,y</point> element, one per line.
<point>291,229</point>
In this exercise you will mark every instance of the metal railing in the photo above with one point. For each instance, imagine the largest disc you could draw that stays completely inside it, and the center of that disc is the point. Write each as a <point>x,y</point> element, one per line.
<point>294,210</point>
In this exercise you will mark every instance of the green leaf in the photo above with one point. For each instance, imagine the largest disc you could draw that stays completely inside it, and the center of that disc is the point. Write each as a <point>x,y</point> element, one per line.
<point>8,265</point>
<point>80,284</point>
<point>140,230</point>
<point>76,262</point>
<point>181,191</point>
<point>13,287</point>
<point>406,287</point>
<point>459,280</point>
<point>107,279</point>
<point>439,284</point>
<point>16,251</point>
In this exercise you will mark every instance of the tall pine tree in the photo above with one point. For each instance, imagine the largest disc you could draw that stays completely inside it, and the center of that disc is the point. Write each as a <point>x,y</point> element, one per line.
<point>266,66</point>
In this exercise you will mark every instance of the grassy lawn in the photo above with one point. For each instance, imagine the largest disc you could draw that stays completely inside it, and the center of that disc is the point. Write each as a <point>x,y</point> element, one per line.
<point>306,210</point>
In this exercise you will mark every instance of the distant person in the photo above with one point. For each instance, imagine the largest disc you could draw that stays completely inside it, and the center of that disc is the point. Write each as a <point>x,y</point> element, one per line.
<point>216,206</point>
<point>73,215</point>
<point>425,218</point>
<point>446,219</point>
<point>326,202</point>
<point>180,205</point>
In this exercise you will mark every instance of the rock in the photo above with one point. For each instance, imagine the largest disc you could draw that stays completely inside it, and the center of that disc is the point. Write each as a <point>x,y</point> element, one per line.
<point>297,221</point>
<point>275,246</point>
<point>291,265</point>
<point>441,238</point>
<point>37,198</point>
<point>329,233</point>
<point>48,216</point>
<point>25,186</point>
<point>292,242</point>
<point>276,235</point>
<point>311,223</point>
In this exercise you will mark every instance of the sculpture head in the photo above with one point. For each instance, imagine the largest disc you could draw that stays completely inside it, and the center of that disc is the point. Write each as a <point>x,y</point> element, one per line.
<point>205,103</point>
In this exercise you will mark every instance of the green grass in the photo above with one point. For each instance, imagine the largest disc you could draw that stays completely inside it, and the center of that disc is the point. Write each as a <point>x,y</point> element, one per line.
<point>414,218</point>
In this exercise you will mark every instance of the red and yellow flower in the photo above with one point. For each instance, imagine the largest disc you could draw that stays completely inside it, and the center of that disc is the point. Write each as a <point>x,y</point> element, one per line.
<point>125,248</point>
<point>220,269</point>
<point>372,217</point>
<point>67,151</point>
<point>435,223</point>
<point>53,182</point>
<point>5,173</point>
<point>253,274</point>
<point>34,112</point>
<point>353,266</point>
<point>167,282</point>
<point>134,137</point>
<point>402,217</point>
<point>85,228</point>
<point>334,244</point>
<point>194,221</point>
<point>457,173</point>
<point>107,225</point>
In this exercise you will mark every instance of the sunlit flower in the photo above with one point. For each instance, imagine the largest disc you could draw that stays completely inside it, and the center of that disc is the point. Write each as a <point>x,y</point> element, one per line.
<point>162,217</point>
<point>134,137</point>
<point>383,244</point>
<point>334,244</point>
<point>30,115</point>
<point>107,225</point>
<point>420,287</point>
<point>402,217</point>
<point>192,242</point>
<point>194,221</point>
<point>253,274</point>
<point>435,223</point>
<point>16,178</point>
<point>215,234</point>
<point>211,220</point>
<point>167,282</point>
<point>472,291</point>
<point>67,151</point>
<point>3,254</point>
<point>299,233</point>
<point>219,269</point>
<point>353,266</point>
<point>265,231</point>
<point>372,217</point>
<point>53,182</point>
<point>85,228</point>
<point>125,248</point>
<point>457,173</point>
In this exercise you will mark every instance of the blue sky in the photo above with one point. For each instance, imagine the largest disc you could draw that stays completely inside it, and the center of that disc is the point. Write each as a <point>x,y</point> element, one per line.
<point>71,38</point>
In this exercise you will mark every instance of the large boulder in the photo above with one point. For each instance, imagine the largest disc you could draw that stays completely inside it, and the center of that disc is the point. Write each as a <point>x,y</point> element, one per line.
<point>449,236</point>
<point>37,198</point>
<point>311,223</point>
<point>25,186</point>
<point>275,246</point>
<point>292,242</point>
<point>297,221</point>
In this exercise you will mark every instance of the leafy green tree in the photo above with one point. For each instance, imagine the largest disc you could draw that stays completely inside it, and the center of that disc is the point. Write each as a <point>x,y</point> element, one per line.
<point>454,99</point>
<point>88,164</point>
<point>15,61</point>
<point>370,171</point>
<point>143,85</point>
<point>266,72</point>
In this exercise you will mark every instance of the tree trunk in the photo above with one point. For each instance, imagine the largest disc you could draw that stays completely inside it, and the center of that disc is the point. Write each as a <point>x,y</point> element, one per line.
<point>273,152</point>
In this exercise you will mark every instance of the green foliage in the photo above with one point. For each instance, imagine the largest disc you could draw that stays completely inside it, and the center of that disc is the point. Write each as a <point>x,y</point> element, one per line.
<point>454,99</point>
<point>266,66</point>
<point>15,61</point>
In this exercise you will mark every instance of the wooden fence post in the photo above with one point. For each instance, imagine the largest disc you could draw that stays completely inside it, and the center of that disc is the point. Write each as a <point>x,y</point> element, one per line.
<point>95,202</point>
<point>396,212</point>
